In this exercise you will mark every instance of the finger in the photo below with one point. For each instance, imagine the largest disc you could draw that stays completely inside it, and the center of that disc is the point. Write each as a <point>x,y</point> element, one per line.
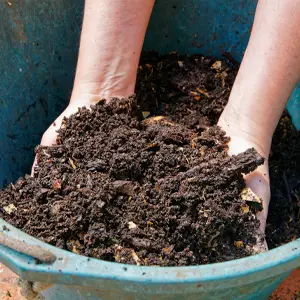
<point>34,165</point>
<point>259,183</point>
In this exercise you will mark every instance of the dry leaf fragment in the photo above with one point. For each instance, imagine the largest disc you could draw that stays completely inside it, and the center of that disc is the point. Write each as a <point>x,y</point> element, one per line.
<point>145,114</point>
<point>74,249</point>
<point>72,164</point>
<point>249,196</point>
<point>159,120</point>
<point>245,209</point>
<point>238,244</point>
<point>217,65</point>
<point>135,258</point>
<point>9,208</point>
<point>168,250</point>
<point>153,120</point>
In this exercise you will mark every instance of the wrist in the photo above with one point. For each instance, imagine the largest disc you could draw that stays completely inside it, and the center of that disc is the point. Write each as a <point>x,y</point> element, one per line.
<point>86,94</point>
<point>245,131</point>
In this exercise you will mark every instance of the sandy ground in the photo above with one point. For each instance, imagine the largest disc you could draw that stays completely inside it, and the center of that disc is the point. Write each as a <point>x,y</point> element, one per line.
<point>8,287</point>
<point>288,290</point>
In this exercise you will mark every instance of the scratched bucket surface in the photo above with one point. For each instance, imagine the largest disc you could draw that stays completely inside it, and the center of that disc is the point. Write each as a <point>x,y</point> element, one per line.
<point>38,44</point>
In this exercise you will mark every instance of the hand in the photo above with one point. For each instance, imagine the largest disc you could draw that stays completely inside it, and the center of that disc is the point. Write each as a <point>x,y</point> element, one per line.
<point>258,180</point>
<point>50,135</point>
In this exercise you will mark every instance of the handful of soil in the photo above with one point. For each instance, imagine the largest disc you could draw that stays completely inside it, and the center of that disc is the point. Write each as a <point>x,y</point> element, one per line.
<point>141,191</point>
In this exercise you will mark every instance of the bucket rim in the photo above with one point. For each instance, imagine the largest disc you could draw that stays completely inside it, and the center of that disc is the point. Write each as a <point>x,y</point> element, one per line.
<point>276,261</point>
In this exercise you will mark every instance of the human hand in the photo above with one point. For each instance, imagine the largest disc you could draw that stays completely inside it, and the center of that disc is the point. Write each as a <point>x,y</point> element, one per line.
<point>258,180</point>
<point>50,135</point>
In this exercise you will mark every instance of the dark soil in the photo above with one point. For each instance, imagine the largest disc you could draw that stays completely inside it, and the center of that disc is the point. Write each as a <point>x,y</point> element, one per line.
<point>284,214</point>
<point>156,190</point>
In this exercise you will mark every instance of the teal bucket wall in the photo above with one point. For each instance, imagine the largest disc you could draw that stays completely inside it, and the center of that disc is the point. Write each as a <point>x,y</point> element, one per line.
<point>38,44</point>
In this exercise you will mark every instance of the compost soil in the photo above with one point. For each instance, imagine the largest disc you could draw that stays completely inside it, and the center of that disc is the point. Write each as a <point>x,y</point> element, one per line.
<point>147,179</point>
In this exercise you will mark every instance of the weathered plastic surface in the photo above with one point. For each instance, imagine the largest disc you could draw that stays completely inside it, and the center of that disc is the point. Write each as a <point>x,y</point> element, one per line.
<point>78,277</point>
<point>38,46</point>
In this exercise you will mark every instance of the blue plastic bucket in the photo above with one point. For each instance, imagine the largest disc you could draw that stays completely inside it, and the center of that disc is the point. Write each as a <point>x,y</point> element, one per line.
<point>38,44</point>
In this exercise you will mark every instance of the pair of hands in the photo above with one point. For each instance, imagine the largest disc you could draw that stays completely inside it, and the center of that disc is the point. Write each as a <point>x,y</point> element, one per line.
<point>112,39</point>
<point>258,180</point>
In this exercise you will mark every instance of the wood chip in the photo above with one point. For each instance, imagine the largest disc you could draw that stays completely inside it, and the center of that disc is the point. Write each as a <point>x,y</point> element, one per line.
<point>72,164</point>
<point>9,3</point>
<point>149,66</point>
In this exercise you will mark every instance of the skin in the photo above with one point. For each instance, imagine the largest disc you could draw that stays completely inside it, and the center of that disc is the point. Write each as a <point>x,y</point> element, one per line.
<point>268,74</point>
<point>111,43</point>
